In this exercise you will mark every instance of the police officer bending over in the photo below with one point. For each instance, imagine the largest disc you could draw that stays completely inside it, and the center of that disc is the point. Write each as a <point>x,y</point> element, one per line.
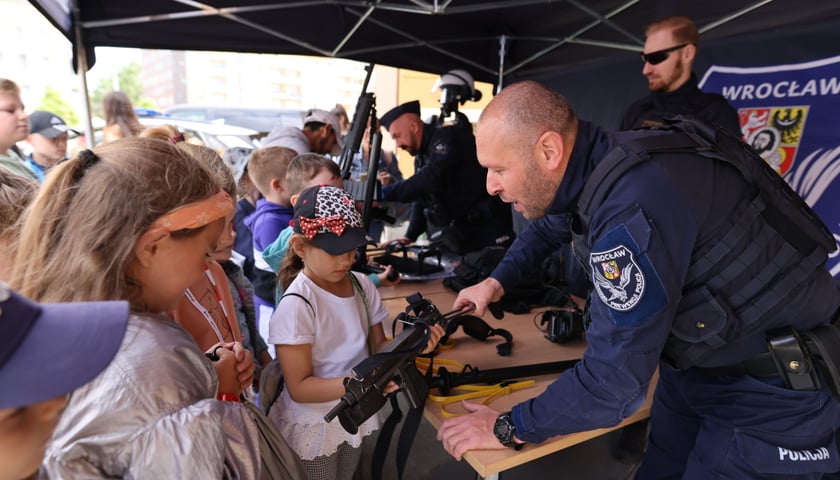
<point>704,263</point>
<point>447,189</point>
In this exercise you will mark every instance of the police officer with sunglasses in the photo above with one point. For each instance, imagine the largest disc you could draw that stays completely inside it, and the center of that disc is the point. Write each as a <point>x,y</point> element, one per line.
<point>670,48</point>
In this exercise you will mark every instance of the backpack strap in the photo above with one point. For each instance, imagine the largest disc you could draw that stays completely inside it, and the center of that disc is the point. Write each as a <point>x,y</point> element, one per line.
<point>363,298</point>
<point>292,294</point>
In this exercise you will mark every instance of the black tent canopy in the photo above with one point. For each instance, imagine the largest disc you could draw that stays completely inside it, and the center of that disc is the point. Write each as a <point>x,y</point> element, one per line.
<point>584,47</point>
<point>502,39</point>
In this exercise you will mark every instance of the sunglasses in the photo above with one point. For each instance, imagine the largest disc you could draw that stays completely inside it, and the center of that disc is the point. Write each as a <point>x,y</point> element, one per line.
<point>659,56</point>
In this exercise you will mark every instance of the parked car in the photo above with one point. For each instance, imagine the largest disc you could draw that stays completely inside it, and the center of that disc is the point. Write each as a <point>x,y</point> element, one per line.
<point>216,136</point>
<point>213,135</point>
<point>259,119</point>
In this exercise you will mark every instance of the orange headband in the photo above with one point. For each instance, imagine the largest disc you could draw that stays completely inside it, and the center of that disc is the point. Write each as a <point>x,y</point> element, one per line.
<point>196,214</point>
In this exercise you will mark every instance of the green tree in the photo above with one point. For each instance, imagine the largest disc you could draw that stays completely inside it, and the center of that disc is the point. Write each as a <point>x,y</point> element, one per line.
<point>52,102</point>
<point>126,80</point>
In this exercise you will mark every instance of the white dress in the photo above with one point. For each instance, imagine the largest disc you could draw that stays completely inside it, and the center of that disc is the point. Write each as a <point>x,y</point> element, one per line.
<point>338,333</point>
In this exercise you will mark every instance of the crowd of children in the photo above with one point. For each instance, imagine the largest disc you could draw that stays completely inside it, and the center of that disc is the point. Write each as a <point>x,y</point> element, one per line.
<point>160,368</point>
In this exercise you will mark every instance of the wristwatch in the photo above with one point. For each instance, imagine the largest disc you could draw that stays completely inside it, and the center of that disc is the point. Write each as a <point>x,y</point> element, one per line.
<point>504,429</point>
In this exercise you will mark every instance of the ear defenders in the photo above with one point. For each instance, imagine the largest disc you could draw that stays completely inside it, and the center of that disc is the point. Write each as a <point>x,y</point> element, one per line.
<point>562,325</point>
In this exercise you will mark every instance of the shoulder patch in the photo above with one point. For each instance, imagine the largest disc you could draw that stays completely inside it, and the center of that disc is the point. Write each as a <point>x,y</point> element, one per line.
<point>617,278</point>
<point>441,148</point>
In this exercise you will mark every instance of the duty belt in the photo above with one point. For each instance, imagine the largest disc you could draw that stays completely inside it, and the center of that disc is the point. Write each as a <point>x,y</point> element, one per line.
<point>801,360</point>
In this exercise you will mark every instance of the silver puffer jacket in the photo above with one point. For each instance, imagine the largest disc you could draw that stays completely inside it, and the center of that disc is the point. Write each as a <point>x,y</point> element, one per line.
<point>152,414</point>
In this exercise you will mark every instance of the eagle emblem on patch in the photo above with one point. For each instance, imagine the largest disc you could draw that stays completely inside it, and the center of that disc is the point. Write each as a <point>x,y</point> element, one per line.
<point>617,277</point>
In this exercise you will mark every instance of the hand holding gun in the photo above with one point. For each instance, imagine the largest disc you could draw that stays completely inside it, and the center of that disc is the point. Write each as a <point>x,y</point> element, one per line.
<point>365,391</point>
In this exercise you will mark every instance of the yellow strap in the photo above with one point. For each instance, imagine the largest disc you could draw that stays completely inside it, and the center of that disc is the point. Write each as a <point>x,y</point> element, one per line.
<point>478,391</point>
<point>453,365</point>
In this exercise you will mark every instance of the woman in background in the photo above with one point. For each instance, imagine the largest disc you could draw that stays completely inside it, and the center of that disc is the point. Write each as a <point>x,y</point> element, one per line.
<point>120,119</point>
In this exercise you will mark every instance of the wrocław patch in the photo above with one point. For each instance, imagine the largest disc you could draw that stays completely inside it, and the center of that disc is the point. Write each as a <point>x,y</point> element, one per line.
<point>617,277</point>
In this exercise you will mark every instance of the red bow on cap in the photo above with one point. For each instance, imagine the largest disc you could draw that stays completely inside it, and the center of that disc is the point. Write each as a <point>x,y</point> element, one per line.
<point>310,226</point>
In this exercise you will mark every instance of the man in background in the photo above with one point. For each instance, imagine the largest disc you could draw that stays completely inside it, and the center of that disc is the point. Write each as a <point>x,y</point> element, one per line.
<point>670,49</point>
<point>447,190</point>
<point>48,135</point>
<point>321,134</point>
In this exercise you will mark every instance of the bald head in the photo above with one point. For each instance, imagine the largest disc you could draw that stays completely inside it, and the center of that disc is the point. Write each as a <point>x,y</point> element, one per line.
<point>524,138</point>
<point>525,110</point>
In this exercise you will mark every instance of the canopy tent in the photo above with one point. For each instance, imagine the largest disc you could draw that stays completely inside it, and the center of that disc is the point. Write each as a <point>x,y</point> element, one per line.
<point>491,39</point>
<point>561,42</point>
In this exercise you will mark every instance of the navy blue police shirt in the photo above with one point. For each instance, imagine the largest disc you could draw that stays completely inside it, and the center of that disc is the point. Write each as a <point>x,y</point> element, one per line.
<point>641,240</point>
<point>446,173</point>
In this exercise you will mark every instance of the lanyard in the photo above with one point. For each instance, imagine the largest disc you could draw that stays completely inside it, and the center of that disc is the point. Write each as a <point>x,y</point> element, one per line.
<point>198,306</point>
<point>216,290</point>
<point>478,391</point>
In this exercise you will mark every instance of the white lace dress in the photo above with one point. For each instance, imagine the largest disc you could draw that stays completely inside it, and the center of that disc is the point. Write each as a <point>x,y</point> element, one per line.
<point>337,331</point>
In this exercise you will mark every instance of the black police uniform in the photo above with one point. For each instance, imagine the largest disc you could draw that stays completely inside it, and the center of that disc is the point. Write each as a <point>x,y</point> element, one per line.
<point>692,264</point>
<point>653,109</point>
<point>448,189</point>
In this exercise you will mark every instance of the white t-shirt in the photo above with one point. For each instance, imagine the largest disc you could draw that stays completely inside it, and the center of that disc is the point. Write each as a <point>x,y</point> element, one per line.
<point>337,329</point>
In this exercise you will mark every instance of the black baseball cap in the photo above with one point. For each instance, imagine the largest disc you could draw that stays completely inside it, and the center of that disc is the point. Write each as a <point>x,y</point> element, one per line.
<point>48,124</point>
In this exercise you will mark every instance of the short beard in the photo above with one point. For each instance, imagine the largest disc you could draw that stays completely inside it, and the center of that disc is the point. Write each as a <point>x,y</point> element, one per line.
<point>541,193</point>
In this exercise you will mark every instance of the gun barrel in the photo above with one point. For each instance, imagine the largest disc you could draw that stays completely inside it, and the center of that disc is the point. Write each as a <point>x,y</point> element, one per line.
<point>343,404</point>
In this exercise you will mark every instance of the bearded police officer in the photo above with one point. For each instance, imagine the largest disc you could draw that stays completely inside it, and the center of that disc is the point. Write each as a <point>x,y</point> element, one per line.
<point>704,264</point>
<point>671,45</point>
<point>447,189</point>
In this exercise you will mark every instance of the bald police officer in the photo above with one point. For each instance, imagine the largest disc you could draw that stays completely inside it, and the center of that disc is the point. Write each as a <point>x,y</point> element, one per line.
<point>704,264</point>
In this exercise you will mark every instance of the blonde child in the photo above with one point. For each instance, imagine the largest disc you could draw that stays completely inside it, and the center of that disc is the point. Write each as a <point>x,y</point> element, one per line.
<point>14,127</point>
<point>267,169</point>
<point>329,320</point>
<point>136,219</point>
<point>207,309</point>
<point>309,170</point>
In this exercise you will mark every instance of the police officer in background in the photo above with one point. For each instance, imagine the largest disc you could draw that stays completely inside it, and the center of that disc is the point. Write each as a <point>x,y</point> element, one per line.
<point>669,52</point>
<point>705,265</point>
<point>447,190</point>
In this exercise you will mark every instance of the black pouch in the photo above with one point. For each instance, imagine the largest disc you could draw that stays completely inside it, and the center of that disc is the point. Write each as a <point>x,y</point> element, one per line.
<point>793,361</point>
<point>823,343</point>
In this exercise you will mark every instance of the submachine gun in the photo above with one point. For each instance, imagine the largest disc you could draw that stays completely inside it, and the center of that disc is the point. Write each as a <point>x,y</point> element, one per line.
<point>364,392</point>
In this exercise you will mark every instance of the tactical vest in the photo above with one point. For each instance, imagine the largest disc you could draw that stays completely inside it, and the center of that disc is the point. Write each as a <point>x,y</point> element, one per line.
<point>724,303</point>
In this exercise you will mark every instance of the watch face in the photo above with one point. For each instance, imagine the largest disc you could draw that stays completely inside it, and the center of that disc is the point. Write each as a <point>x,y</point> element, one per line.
<point>503,429</point>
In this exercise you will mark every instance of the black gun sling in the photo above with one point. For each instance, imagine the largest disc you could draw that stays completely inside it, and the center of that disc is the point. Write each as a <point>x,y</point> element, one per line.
<point>407,434</point>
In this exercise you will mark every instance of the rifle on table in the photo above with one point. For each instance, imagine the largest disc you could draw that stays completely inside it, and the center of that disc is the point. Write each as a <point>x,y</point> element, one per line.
<point>365,391</point>
<point>445,381</point>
